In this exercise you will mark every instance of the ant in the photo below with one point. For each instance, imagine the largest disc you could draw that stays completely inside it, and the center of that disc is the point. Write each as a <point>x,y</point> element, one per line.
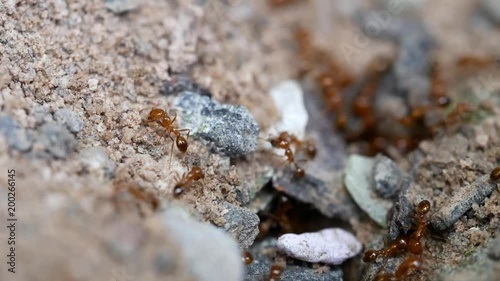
<point>247,257</point>
<point>415,246</point>
<point>396,247</point>
<point>495,174</point>
<point>407,267</point>
<point>275,273</point>
<point>194,174</point>
<point>284,141</point>
<point>163,119</point>
<point>403,243</point>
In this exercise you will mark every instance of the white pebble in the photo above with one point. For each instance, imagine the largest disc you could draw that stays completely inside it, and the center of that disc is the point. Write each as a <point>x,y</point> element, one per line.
<point>331,246</point>
<point>288,99</point>
<point>93,84</point>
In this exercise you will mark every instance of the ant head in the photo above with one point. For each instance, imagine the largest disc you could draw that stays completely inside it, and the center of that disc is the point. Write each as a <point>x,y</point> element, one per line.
<point>156,114</point>
<point>197,172</point>
<point>299,173</point>
<point>495,174</point>
<point>178,190</point>
<point>181,143</point>
<point>424,207</point>
<point>370,256</point>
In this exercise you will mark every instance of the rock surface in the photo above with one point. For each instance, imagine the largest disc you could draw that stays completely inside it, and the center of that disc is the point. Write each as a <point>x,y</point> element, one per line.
<point>231,128</point>
<point>330,246</point>
<point>242,224</point>
<point>211,253</point>
<point>65,116</point>
<point>462,201</point>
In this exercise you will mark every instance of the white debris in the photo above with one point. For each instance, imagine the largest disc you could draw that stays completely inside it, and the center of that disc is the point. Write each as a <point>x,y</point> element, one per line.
<point>288,99</point>
<point>331,246</point>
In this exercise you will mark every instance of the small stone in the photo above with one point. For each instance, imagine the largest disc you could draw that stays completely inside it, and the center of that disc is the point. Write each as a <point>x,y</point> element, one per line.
<point>121,6</point>
<point>69,118</point>
<point>359,183</point>
<point>56,140</point>
<point>97,158</point>
<point>462,201</point>
<point>180,84</point>
<point>210,253</point>
<point>388,177</point>
<point>331,246</point>
<point>242,224</point>
<point>17,138</point>
<point>399,216</point>
<point>494,249</point>
<point>93,84</point>
<point>491,8</point>
<point>288,99</point>
<point>231,128</point>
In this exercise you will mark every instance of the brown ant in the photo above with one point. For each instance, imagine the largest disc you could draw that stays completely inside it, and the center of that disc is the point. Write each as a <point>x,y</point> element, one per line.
<point>397,246</point>
<point>247,257</point>
<point>403,243</point>
<point>414,245</point>
<point>194,174</point>
<point>406,268</point>
<point>284,141</point>
<point>163,119</point>
<point>495,174</point>
<point>275,273</point>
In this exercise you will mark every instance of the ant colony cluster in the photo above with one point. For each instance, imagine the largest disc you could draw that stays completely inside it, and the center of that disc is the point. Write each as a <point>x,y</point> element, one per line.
<point>288,141</point>
<point>160,117</point>
<point>404,244</point>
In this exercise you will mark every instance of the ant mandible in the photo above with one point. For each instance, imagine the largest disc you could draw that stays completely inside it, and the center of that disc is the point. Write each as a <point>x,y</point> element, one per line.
<point>195,174</point>
<point>163,119</point>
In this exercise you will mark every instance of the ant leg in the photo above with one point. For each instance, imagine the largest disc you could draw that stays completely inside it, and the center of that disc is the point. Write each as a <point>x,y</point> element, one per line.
<point>171,151</point>
<point>184,130</point>
<point>175,116</point>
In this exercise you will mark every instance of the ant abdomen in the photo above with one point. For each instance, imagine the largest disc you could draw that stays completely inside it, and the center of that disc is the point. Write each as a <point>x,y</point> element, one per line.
<point>181,144</point>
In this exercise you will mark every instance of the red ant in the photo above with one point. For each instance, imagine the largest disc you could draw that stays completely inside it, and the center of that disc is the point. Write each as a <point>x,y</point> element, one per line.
<point>247,257</point>
<point>404,243</point>
<point>396,247</point>
<point>163,119</point>
<point>495,174</point>
<point>276,271</point>
<point>406,268</point>
<point>414,245</point>
<point>284,141</point>
<point>194,175</point>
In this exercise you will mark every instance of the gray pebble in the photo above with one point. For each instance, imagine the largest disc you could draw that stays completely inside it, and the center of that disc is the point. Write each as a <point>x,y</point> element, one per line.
<point>58,141</point>
<point>359,182</point>
<point>121,6</point>
<point>97,158</point>
<point>494,249</point>
<point>69,118</point>
<point>17,137</point>
<point>242,224</point>
<point>388,177</point>
<point>41,114</point>
<point>492,9</point>
<point>165,263</point>
<point>210,253</point>
<point>462,201</point>
<point>231,128</point>
<point>399,215</point>
<point>180,83</point>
